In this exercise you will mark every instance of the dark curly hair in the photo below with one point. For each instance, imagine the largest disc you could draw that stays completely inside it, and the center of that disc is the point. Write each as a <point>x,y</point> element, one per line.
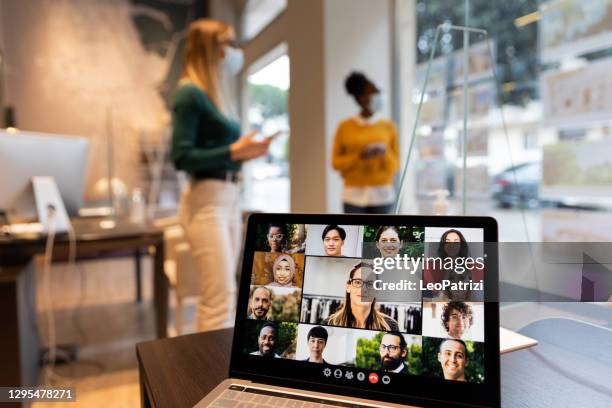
<point>461,307</point>
<point>356,83</point>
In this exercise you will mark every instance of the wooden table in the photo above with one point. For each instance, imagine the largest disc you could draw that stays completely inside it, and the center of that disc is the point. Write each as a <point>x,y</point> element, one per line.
<point>179,372</point>
<point>19,345</point>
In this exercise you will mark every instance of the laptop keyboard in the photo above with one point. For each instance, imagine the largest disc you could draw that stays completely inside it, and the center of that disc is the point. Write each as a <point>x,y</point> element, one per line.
<point>237,396</point>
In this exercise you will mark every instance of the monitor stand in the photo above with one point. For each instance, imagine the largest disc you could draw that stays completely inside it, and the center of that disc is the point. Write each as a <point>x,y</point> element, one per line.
<point>31,210</point>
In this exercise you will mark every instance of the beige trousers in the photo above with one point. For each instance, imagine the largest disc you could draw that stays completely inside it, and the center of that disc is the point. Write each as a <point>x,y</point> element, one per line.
<point>210,214</point>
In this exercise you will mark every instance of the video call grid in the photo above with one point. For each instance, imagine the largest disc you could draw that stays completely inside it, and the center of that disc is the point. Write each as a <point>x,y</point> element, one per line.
<point>299,321</point>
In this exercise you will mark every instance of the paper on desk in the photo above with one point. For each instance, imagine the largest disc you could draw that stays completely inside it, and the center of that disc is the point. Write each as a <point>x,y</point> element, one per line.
<point>510,341</point>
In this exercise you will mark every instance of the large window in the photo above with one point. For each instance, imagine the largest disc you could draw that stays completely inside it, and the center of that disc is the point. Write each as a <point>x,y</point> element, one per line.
<point>267,179</point>
<point>539,142</point>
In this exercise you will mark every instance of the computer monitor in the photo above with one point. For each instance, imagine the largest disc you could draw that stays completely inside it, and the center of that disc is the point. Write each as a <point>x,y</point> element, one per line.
<point>24,155</point>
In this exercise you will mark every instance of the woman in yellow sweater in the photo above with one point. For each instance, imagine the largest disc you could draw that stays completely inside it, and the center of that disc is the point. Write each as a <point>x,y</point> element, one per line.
<point>366,152</point>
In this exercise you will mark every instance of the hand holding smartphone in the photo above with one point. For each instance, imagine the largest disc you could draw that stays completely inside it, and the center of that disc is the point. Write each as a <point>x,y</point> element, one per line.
<point>374,150</point>
<point>273,135</point>
<point>267,138</point>
<point>249,146</point>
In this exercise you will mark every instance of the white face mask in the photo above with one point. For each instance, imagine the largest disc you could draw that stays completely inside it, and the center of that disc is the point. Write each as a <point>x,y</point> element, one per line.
<point>234,58</point>
<point>376,103</point>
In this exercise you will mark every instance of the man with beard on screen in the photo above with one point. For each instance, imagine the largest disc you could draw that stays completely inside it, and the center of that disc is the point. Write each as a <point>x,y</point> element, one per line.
<point>393,351</point>
<point>261,300</point>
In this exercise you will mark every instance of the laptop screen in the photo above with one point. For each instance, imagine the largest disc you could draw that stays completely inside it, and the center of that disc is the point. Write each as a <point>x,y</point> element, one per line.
<point>384,307</point>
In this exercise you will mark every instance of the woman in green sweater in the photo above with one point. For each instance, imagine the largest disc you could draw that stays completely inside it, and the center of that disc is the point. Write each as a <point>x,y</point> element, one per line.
<point>208,145</point>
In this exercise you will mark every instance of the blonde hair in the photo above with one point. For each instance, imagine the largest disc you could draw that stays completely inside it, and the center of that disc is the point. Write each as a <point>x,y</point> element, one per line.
<point>205,38</point>
<point>344,316</point>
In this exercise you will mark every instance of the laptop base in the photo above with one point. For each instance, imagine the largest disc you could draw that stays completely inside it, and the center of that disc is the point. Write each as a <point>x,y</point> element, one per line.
<point>234,393</point>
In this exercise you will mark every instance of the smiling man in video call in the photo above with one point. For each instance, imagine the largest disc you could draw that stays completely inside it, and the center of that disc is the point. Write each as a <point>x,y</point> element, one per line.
<point>333,238</point>
<point>317,340</point>
<point>260,303</point>
<point>393,351</point>
<point>267,341</point>
<point>453,359</point>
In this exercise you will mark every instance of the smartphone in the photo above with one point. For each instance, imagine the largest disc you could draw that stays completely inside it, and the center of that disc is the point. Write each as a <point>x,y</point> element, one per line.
<point>273,135</point>
<point>376,148</point>
<point>260,137</point>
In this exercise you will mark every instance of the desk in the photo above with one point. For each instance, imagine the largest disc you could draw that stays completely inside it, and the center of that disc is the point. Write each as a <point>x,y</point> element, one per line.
<point>19,345</point>
<point>178,372</point>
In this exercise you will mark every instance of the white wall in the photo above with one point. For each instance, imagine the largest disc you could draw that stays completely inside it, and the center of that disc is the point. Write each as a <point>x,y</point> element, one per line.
<point>80,67</point>
<point>327,276</point>
<point>357,37</point>
<point>2,73</point>
<point>307,144</point>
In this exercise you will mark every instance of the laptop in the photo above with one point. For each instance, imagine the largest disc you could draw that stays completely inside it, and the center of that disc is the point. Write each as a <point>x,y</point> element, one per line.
<point>365,311</point>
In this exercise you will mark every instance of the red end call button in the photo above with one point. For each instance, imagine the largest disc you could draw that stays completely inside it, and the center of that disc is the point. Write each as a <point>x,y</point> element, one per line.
<point>373,377</point>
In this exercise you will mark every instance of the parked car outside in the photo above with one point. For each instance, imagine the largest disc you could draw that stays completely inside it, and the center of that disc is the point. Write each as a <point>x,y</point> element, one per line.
<point>518,186</point>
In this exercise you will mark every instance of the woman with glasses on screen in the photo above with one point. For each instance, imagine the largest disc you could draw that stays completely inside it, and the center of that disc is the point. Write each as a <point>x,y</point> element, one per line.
<point>206,143</point>
<point>359,309</point>
<point>277,238</point>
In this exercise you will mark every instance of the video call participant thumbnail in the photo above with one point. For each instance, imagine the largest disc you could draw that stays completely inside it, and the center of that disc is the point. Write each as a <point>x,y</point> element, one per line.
<point>388,241</point>
<point>359,309</point>
<point>277,238</point>
<point>260,302</point>
<point>457,318</point>
<point>393,352</point>
<point>453,359</point>
<point>283,271</point>
<point>267,341</point>
<point>317,341</point>
<point>454,245</point>
<point>333,237</point>
<point>279,270</point>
